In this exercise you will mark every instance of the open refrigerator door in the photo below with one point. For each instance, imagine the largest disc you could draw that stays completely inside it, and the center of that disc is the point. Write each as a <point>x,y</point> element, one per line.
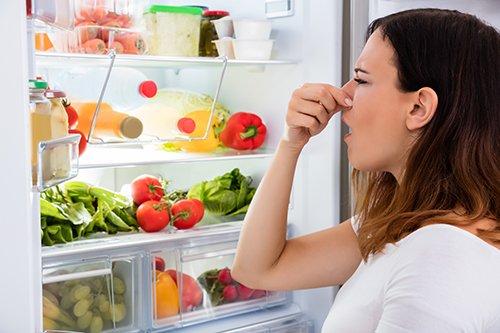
<point>146,108</point>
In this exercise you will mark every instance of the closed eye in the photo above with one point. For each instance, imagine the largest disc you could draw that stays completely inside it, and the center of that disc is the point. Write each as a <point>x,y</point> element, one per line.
<point>359,81</point>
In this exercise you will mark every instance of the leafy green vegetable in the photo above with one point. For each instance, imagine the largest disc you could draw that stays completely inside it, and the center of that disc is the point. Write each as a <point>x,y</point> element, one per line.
<point>52,210</point>
<point>78,210</point>
<point>229,194</point>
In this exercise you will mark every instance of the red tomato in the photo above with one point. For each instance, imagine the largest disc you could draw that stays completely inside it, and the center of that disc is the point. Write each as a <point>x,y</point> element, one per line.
<point>191,291</point>
<point>186,213</point>
<point>153,215</point>
<point>146,188</point>
<point>72,114</point>
<point>82,146</point>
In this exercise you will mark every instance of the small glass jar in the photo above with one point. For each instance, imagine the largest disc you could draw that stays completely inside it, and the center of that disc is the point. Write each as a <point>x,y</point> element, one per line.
<point>208,32</point>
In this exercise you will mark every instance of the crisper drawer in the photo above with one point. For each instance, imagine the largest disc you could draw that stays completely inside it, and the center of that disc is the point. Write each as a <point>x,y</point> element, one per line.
<point>196,286</point>
<point>91,295</point>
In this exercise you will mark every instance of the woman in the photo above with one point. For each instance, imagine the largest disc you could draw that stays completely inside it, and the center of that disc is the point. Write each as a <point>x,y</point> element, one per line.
<point>422,253</point>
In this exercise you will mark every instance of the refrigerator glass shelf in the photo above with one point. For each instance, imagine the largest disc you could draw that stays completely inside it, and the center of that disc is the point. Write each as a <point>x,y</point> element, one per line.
<point>101,243</point>
<point>61,60</point>
<point>106,157</point>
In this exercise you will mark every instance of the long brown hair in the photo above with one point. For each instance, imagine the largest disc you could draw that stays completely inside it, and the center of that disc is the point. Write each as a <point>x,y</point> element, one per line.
<point>452,171</point>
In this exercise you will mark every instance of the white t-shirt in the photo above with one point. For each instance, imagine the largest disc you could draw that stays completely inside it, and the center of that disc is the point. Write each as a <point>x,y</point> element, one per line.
<point>439,278</point>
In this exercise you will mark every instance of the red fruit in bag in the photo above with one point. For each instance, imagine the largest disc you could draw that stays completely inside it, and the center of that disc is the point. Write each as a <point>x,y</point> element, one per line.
<point>94,46</point>
<point>259,293</point>
<point>86,31</point>
<point>229,293</point>
<point>244,293</point>
<point>132,43</point>
<point>224,276</point>
<point>117,46</point>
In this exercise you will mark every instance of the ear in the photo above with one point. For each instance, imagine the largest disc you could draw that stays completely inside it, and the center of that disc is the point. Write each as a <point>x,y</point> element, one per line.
<point>424,106</point>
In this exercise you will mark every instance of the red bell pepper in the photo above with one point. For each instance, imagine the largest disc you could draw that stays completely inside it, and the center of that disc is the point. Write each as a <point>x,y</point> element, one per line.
<point>243,131</point>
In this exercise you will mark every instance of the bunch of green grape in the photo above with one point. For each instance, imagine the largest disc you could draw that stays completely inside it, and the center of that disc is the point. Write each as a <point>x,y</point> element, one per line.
<point>88,302</point>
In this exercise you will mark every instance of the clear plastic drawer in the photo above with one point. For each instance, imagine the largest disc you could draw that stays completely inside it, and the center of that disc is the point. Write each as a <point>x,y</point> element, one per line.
<point>197,286</point>
<point>91,296</point>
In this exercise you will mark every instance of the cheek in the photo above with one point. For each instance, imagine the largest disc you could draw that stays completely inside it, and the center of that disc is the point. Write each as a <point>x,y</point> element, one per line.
<point>377,130</point>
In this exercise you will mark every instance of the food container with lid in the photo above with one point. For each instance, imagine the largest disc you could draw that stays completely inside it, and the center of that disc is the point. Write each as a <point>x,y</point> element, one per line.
<point>252,29</point>
<point>225,47</point>
<point>208,32</point>
<point>173,30</point>
<point>224,27</point>
<point>246,49</point>
<point>68,14</point>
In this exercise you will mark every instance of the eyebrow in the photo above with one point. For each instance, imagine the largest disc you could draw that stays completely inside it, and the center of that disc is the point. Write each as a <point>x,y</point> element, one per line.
<point>357,69</point>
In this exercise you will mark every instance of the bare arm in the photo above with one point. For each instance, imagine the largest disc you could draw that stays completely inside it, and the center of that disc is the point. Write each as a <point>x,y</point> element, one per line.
<point>265,259</point>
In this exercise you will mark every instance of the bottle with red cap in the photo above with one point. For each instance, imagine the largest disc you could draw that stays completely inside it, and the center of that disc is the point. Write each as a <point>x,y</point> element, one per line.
<point>127,88</point>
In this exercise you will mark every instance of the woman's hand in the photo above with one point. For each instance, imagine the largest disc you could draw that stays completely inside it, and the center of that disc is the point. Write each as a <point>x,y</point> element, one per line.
<point>310,109</point>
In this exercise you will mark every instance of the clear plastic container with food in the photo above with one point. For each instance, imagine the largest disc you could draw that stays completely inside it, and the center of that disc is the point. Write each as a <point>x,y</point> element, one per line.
<point>94,39</point>
<point>196,286</point>
<point>90,295</point>
<point>173,30</point>
<point>67,14</point>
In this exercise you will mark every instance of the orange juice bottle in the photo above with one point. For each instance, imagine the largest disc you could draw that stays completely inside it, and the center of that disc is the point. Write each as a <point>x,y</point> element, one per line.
<point>110,123</point>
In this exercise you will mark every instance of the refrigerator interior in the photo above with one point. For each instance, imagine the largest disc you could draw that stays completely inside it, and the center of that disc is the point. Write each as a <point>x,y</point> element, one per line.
<point>315,57</point>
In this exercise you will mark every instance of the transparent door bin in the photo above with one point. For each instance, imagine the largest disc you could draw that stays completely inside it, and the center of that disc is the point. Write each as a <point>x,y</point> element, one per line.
<point>57,161</point>
<point>67,14</point>
<point>90,296</point>
<point>206,269</point>
<point>204,134</point>
<point>165,291</point>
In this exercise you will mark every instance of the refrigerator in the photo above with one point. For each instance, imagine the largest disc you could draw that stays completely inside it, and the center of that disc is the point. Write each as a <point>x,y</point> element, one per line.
<point>315,41</point>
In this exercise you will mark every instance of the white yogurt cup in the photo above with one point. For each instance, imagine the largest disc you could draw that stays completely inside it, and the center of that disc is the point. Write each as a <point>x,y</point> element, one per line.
<point>252,29</point>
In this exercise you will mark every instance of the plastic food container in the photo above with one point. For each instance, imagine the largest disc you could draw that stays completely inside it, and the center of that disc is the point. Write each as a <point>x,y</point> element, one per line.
<point>208,32</point>
<point>252,29</point>
<point>173,30</point>
<point>225,47</point>
<point>90,296</point>
<point>94,39</point>
<point>224,27</point>
<point>196,286</point>
<point>70,13</point>
<point>252,49</point>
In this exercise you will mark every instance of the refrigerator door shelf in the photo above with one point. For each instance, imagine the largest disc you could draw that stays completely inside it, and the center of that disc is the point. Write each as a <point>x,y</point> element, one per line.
<point>205,293</point>
<point>57,161</point>
<point>101,292</point>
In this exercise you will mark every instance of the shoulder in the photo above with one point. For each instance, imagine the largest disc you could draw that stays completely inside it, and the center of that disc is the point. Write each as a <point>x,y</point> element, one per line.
<point>447,252</point>
<point>448,271</point>
<point>447,241</point>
